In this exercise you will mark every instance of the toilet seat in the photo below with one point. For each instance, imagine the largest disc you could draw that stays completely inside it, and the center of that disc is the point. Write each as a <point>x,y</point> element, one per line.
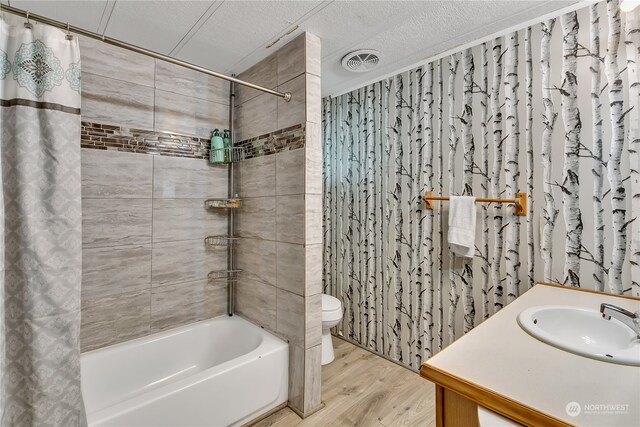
<point>330,303</point>
<point>331,316</point>
<point>331,308</point>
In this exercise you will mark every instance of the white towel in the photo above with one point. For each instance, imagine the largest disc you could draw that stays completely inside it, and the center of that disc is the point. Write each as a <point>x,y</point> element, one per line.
<point>462,225</point>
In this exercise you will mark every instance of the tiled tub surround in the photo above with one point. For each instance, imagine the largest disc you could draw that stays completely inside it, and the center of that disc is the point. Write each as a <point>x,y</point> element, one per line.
<point>279,255</point>
<point>132,202</point>
<point>144,261</point>
<point>280,221</point>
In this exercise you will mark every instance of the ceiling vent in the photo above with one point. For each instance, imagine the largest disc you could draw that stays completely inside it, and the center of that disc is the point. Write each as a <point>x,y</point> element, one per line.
<point>361,61</point>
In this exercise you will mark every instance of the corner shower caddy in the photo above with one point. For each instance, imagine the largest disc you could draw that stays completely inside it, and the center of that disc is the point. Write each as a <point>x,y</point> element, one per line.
<point>219,242</point>
<point>224,203</point>
<point>228,156</point>
<point>213,242</point>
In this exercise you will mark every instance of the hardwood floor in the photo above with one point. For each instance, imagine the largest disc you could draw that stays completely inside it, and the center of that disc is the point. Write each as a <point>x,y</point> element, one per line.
<point>365,390</point>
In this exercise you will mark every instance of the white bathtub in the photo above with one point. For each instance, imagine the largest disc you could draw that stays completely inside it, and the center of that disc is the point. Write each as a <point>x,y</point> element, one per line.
<point>219,372</point>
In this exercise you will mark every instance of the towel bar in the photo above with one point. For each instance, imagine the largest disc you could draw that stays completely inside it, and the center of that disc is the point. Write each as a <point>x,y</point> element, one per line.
<point>520,201</point>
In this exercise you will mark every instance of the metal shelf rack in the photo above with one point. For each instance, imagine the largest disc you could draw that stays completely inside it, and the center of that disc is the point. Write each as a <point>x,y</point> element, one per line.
<point>230,205</point>
<point>224,156</point>
<point>214,242</point>
<point>228,275</point>
<point>222,203</point>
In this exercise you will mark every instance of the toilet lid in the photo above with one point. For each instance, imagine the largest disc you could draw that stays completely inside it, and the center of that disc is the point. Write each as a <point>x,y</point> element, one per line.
<point>330,303</point>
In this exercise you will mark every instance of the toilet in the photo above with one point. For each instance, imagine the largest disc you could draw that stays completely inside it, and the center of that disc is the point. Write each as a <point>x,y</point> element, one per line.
<point>331,316</point>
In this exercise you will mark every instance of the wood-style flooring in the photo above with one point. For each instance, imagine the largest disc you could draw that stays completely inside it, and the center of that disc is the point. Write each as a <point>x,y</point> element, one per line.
<point>365,390</point>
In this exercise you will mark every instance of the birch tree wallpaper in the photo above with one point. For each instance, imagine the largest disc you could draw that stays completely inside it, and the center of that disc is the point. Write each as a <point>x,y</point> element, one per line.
<point>551,110</point>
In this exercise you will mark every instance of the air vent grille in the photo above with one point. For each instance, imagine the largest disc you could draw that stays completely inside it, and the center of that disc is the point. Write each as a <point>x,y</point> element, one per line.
<point>361,61</point>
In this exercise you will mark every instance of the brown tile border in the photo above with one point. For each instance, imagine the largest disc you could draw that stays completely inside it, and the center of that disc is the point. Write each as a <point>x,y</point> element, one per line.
<point>280,140</point>
<point>109,137</point>
<point>101,136</point>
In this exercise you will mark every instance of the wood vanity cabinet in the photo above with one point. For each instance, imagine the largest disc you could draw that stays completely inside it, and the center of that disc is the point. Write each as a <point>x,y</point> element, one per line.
<point>457,402</point>
<point>501,368</point>
<point>453,410</point>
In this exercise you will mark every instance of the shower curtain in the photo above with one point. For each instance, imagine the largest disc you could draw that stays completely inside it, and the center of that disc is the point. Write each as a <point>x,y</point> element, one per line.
<point>40,226</point>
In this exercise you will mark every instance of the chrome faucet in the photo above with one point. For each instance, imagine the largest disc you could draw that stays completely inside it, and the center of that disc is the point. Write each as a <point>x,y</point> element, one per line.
<point>630,319</point>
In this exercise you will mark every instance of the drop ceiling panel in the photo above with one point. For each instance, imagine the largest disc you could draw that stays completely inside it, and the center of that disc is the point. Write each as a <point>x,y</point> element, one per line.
<point>240,28</point>
<point>438,27</point>
<point>158,26</point>
<point>352,23</point>
<point>83,14</point>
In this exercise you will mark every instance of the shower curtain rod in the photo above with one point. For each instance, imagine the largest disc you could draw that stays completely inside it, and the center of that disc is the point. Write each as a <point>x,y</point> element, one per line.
<point>70,28</point>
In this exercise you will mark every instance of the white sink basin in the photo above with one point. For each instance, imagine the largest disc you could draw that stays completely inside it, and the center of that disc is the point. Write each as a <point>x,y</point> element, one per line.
<point>583,332</point>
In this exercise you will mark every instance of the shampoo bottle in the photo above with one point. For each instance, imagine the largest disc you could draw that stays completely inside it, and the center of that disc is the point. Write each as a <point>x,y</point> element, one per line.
<point>226,140</point>
<point>217,145</point>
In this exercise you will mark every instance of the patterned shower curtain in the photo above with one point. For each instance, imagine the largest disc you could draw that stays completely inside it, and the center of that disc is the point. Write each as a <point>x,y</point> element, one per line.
<point>40,226</point>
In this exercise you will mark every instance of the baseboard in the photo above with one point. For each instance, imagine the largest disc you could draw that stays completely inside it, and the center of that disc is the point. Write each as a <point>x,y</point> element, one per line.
<point>417,371</point>
<point>308,413</point>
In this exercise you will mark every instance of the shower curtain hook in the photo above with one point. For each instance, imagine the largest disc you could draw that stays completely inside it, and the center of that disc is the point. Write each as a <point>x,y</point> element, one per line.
<point>68,36</point>
<point>28,24</point>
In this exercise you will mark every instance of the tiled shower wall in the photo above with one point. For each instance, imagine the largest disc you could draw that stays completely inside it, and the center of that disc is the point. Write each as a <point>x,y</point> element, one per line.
<point>280,222</point>
<point>144,261</point>
<point>131,90</point>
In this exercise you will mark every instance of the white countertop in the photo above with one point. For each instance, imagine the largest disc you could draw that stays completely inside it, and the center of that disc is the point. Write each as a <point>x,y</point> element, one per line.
<point>498,355</point>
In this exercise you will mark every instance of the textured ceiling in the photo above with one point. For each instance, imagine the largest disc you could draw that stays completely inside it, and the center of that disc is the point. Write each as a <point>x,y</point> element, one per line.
<point>229,36</point>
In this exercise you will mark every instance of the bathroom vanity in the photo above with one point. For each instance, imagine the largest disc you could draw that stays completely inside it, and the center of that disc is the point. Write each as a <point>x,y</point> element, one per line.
<point>500,367</point>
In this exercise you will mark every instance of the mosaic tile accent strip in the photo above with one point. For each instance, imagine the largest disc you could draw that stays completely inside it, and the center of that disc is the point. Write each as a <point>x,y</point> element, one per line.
<point>108,137</point>
<point>275,142</point>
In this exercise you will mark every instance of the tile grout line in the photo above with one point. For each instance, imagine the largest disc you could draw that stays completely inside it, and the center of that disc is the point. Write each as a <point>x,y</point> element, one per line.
<point>151,242</point>
<point>153,183</point>
<point>274,87</point>
<point>109,77</point>
<point>275,235</point>
<point>155,88</point>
